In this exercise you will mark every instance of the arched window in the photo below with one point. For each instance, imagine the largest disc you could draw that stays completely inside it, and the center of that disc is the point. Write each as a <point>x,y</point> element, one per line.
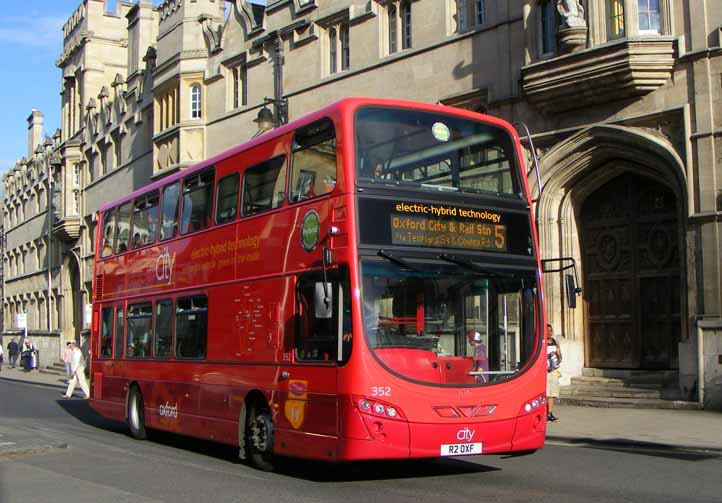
<point>345,50</point>
<point>406,24</point>
<point>332,50</point>
<point>196,109</point>
<point>393,29</point>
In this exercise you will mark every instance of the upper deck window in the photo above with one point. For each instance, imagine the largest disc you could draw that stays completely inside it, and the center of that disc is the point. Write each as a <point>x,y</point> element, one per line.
<point>107,239</point>
<point>145,220</point>
<point>264,186</point>
<point>169,217</point>
<point>122,228</point>
<point>314,161</point>
<point>227,205</point>
<point>434,152</point>
<point>197,201</point>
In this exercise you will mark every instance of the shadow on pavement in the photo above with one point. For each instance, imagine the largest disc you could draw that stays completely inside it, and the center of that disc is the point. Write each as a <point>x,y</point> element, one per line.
<point>80,410</point>
<point>315,471</point>
<point>319,471</point>
<point>647,449</point>
<point>357,471</point>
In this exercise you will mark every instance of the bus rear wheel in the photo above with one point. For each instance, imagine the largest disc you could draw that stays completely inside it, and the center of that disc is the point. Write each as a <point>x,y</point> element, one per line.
<point>259,439</point>
<point>136,418</point>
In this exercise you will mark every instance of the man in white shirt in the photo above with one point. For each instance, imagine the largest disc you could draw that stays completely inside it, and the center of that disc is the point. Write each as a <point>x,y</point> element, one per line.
<point>77,369</point>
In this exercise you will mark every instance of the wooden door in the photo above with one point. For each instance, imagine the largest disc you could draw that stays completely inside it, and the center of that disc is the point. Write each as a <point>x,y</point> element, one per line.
<point>630,243</point>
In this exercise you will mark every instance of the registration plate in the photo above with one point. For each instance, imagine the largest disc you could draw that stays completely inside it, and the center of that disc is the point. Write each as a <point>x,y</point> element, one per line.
<point>460,449</point>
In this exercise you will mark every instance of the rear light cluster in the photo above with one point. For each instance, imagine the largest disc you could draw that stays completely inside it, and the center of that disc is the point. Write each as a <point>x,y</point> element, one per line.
<point>377,408</point>
<point>534,403</point>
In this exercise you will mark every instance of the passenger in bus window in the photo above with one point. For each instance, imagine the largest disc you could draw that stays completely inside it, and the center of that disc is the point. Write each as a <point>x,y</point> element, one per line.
<point>379,170</point>
<point>107,248</point>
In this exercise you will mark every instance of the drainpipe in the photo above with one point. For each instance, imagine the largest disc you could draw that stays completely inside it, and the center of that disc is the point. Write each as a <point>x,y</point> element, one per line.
<point>700,361</point>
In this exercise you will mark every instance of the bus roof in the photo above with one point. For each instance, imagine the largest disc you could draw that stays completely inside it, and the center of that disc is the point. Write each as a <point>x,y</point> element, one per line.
<point>339,107</point>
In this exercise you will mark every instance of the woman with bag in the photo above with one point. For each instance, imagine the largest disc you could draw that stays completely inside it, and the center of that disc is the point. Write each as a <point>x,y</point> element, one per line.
<point>554,360</point>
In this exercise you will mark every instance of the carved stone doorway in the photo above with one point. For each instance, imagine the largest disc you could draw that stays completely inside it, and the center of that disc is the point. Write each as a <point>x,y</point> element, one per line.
<point>630,252</point>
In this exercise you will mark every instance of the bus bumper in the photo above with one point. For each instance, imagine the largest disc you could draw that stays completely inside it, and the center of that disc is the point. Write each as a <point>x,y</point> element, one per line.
<point>372,438</point>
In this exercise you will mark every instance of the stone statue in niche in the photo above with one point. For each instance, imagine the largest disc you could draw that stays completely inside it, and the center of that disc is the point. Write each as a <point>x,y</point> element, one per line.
<point>571,14</point>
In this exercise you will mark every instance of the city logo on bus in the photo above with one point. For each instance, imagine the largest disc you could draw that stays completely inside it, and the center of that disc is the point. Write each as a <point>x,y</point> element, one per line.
<point>164,266</point>
<point>310,230</point>
<point>465,435</point>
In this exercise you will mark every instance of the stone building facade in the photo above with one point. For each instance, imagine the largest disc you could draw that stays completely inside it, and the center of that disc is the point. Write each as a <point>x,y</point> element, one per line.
<point>623,99</point>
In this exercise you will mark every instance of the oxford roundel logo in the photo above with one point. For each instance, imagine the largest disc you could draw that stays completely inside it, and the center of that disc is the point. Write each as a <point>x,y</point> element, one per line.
<point>310,230</point>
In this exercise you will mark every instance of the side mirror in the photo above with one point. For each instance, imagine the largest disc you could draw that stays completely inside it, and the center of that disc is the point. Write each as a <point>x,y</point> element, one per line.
<point>571,289</point>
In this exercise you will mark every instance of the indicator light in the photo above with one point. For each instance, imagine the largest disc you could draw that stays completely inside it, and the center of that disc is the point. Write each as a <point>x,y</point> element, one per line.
<point>391,412</point>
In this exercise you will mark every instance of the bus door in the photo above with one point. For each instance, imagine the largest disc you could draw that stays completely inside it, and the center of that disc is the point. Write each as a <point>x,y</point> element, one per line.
<point>311,408</point>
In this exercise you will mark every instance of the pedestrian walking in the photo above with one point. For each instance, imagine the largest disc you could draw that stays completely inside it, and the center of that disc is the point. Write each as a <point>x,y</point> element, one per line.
<point>554,360</point>
<point>67,358</point>
<point>77,368</point>
<point>1,358</point>
<point>13,351</point>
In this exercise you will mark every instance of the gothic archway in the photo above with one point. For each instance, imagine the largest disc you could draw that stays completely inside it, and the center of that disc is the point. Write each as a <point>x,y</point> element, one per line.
<point>574,170</point>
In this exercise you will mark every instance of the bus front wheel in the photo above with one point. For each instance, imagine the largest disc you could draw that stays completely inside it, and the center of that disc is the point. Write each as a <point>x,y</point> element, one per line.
<point>259,439</point>
<point>136,418</point>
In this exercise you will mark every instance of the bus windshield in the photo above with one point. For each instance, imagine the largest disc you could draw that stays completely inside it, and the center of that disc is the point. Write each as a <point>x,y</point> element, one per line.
<point>438,324</point>
<point>434,152</point>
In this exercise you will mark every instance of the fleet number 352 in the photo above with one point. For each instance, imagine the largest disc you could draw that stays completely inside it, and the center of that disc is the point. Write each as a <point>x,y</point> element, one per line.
<point>381,390</point>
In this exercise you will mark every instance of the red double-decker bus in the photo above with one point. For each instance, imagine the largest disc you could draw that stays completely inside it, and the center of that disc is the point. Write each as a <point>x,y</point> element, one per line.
<point>362,283</point>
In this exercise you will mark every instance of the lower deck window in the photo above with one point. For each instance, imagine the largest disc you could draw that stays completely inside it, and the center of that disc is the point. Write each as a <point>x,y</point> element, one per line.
<point>106,333</point>
<point>191,322</point>
<point>139,330</point>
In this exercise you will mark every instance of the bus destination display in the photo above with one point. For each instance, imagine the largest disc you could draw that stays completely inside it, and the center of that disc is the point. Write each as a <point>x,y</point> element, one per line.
<point>447,226</point>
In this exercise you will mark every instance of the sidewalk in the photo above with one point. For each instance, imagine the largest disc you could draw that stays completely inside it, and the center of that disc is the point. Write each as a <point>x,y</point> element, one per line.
<point>654,428</point>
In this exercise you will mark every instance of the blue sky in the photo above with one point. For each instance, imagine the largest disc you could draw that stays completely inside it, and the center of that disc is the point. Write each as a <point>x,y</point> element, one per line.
<point>31,41</point>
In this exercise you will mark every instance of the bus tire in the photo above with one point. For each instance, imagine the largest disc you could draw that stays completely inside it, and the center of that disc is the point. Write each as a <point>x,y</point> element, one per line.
<point>259,438</point>
<point>136,414</point>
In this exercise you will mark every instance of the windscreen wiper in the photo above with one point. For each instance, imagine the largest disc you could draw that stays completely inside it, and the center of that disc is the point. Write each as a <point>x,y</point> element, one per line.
<point>472,266</point>
<point>396,260</point>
